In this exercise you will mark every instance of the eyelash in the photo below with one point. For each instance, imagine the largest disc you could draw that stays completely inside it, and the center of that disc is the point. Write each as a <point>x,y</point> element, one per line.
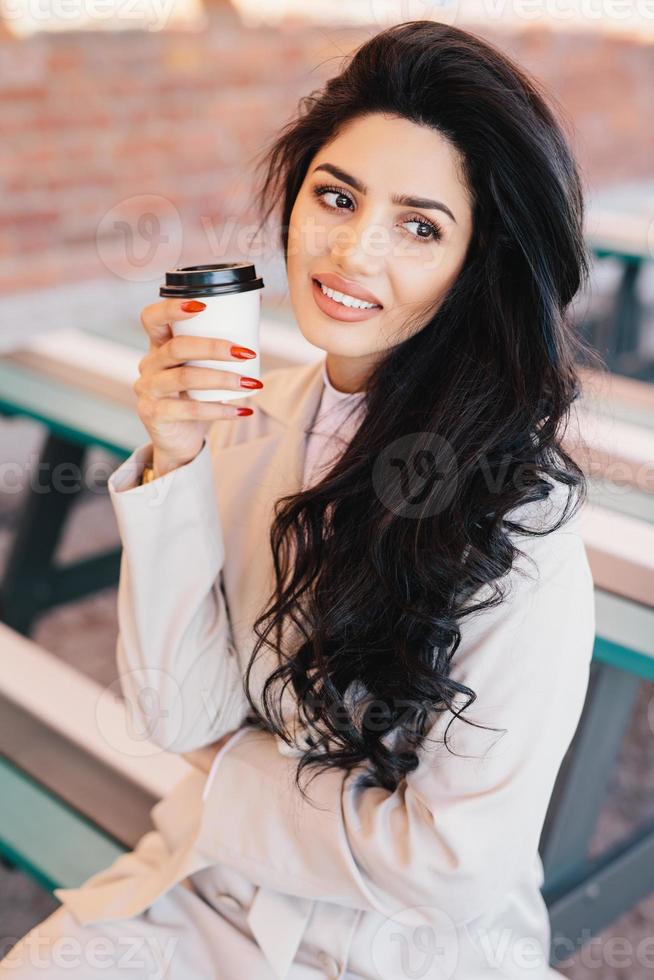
<point>322,189</point>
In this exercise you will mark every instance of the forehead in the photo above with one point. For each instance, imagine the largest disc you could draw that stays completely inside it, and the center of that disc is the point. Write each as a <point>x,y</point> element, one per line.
<point>391,155</point>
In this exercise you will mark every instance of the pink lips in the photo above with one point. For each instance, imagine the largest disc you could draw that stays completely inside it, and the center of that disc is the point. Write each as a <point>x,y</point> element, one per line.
<point>337,311</point>
<point>341,285</point>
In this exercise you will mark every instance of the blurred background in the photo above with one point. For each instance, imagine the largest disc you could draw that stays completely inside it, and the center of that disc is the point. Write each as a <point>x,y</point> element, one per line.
<point>129,134</point>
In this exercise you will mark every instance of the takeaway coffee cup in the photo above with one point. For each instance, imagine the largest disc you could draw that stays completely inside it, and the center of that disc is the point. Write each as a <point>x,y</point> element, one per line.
<point>232,292</point>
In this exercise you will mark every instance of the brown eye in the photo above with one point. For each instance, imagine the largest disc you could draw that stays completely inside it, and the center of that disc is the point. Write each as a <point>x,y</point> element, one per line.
<point>435,233</point>
<point>319,193</point>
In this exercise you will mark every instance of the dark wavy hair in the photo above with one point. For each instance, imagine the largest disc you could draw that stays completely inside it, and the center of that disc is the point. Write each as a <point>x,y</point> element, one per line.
<point>376,598</point>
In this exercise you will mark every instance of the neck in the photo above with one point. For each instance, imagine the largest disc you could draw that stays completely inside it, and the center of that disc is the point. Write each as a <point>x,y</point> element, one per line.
<point>347,374</point>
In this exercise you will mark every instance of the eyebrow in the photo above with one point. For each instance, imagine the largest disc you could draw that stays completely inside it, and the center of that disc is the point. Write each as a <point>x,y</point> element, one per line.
<point>407,200</point>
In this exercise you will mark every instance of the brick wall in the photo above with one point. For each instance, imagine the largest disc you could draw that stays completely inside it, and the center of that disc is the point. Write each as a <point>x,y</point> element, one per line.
<point>101,128</point>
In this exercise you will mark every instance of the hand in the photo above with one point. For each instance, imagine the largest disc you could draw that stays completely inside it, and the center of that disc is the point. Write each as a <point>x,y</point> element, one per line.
<point>177,424</point>
<point>203,757</point>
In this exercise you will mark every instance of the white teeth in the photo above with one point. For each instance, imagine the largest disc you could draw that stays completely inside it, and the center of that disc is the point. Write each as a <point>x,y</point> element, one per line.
<point>346,300</point>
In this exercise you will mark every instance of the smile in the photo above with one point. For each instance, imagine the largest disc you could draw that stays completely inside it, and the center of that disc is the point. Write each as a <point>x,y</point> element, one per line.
<point>340,306</point>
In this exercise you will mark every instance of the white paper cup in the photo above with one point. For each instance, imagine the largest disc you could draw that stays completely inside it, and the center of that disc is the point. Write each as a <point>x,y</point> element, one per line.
<point>232,293</point>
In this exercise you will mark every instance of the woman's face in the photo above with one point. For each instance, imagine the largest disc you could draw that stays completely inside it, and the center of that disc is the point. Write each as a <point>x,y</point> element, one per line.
<point>403,256</point>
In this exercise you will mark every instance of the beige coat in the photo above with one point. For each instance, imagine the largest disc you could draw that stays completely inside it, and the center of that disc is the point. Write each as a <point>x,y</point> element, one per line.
<point>441,876</point>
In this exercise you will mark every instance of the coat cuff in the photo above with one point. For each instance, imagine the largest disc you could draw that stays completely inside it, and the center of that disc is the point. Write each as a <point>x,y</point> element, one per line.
<point>147,523</point>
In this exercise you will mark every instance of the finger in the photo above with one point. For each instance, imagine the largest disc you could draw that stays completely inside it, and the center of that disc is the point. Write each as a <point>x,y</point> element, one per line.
<point>163,410</point>
<point>185,347</point>
<point>156,318</point>
<point>180,379</point>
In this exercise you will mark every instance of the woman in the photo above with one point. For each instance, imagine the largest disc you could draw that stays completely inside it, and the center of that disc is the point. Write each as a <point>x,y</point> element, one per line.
<point>377,581</point>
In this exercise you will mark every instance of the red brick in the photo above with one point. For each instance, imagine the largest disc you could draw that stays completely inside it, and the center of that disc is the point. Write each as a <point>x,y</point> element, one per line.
<point>91,119</point>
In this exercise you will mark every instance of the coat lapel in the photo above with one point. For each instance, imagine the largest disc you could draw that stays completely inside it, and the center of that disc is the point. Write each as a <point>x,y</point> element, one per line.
<point>251,476</point>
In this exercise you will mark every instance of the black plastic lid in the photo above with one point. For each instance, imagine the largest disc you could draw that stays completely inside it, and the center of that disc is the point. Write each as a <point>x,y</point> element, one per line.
<point>211,280</point>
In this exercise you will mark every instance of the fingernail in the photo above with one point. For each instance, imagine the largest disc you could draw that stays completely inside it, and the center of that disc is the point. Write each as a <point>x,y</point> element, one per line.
<point>193,306</point>
<point>241,352</point>
<point>251,383</point>
<point>244,411</point>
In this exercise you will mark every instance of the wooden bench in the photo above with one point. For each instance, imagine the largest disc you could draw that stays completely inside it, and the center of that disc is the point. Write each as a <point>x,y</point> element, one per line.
<point>75,789</point>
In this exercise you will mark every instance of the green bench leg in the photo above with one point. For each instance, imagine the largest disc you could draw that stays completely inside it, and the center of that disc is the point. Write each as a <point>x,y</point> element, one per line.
<point>32,582</point>
<point>628,312</point>
<point>573,886</point>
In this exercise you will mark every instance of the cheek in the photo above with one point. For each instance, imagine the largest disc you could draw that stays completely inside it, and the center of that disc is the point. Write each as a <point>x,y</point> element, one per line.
<point>296,246</point>
<point>309,233</point>
<point>425,276</point>
<point>414,288</point>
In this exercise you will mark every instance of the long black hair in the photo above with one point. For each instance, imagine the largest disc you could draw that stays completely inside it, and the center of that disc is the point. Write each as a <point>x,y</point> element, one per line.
<point>375,597</point>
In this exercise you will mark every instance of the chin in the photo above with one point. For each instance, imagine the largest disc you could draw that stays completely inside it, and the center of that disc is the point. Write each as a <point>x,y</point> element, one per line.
<point>344,339</point>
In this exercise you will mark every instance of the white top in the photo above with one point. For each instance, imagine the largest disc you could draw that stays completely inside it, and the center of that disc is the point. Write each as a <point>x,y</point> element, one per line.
<point>335,422</point>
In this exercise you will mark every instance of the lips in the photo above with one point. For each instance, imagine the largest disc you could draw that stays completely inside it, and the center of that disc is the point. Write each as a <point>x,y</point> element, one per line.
<point>332,281</point>
<point>338,311</point>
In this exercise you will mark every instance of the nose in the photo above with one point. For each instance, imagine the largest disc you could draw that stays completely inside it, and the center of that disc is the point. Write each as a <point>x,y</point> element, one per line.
<point>356,249</point>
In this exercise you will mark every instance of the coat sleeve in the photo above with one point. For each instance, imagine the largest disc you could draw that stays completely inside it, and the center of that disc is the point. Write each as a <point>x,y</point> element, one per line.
<point>458,829</point>
<point>178,668</point>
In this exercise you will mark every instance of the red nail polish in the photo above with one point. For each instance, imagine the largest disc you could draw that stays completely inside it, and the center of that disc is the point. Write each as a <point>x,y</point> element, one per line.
<point>251,383</point>
<point>193,306</point>
<point>241,410</point>
<point>241,352</point>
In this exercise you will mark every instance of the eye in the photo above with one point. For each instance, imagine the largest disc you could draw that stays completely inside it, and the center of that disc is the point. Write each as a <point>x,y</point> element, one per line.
<point>436,233</point>
<point>320,192</point>
<point>435,230</point>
